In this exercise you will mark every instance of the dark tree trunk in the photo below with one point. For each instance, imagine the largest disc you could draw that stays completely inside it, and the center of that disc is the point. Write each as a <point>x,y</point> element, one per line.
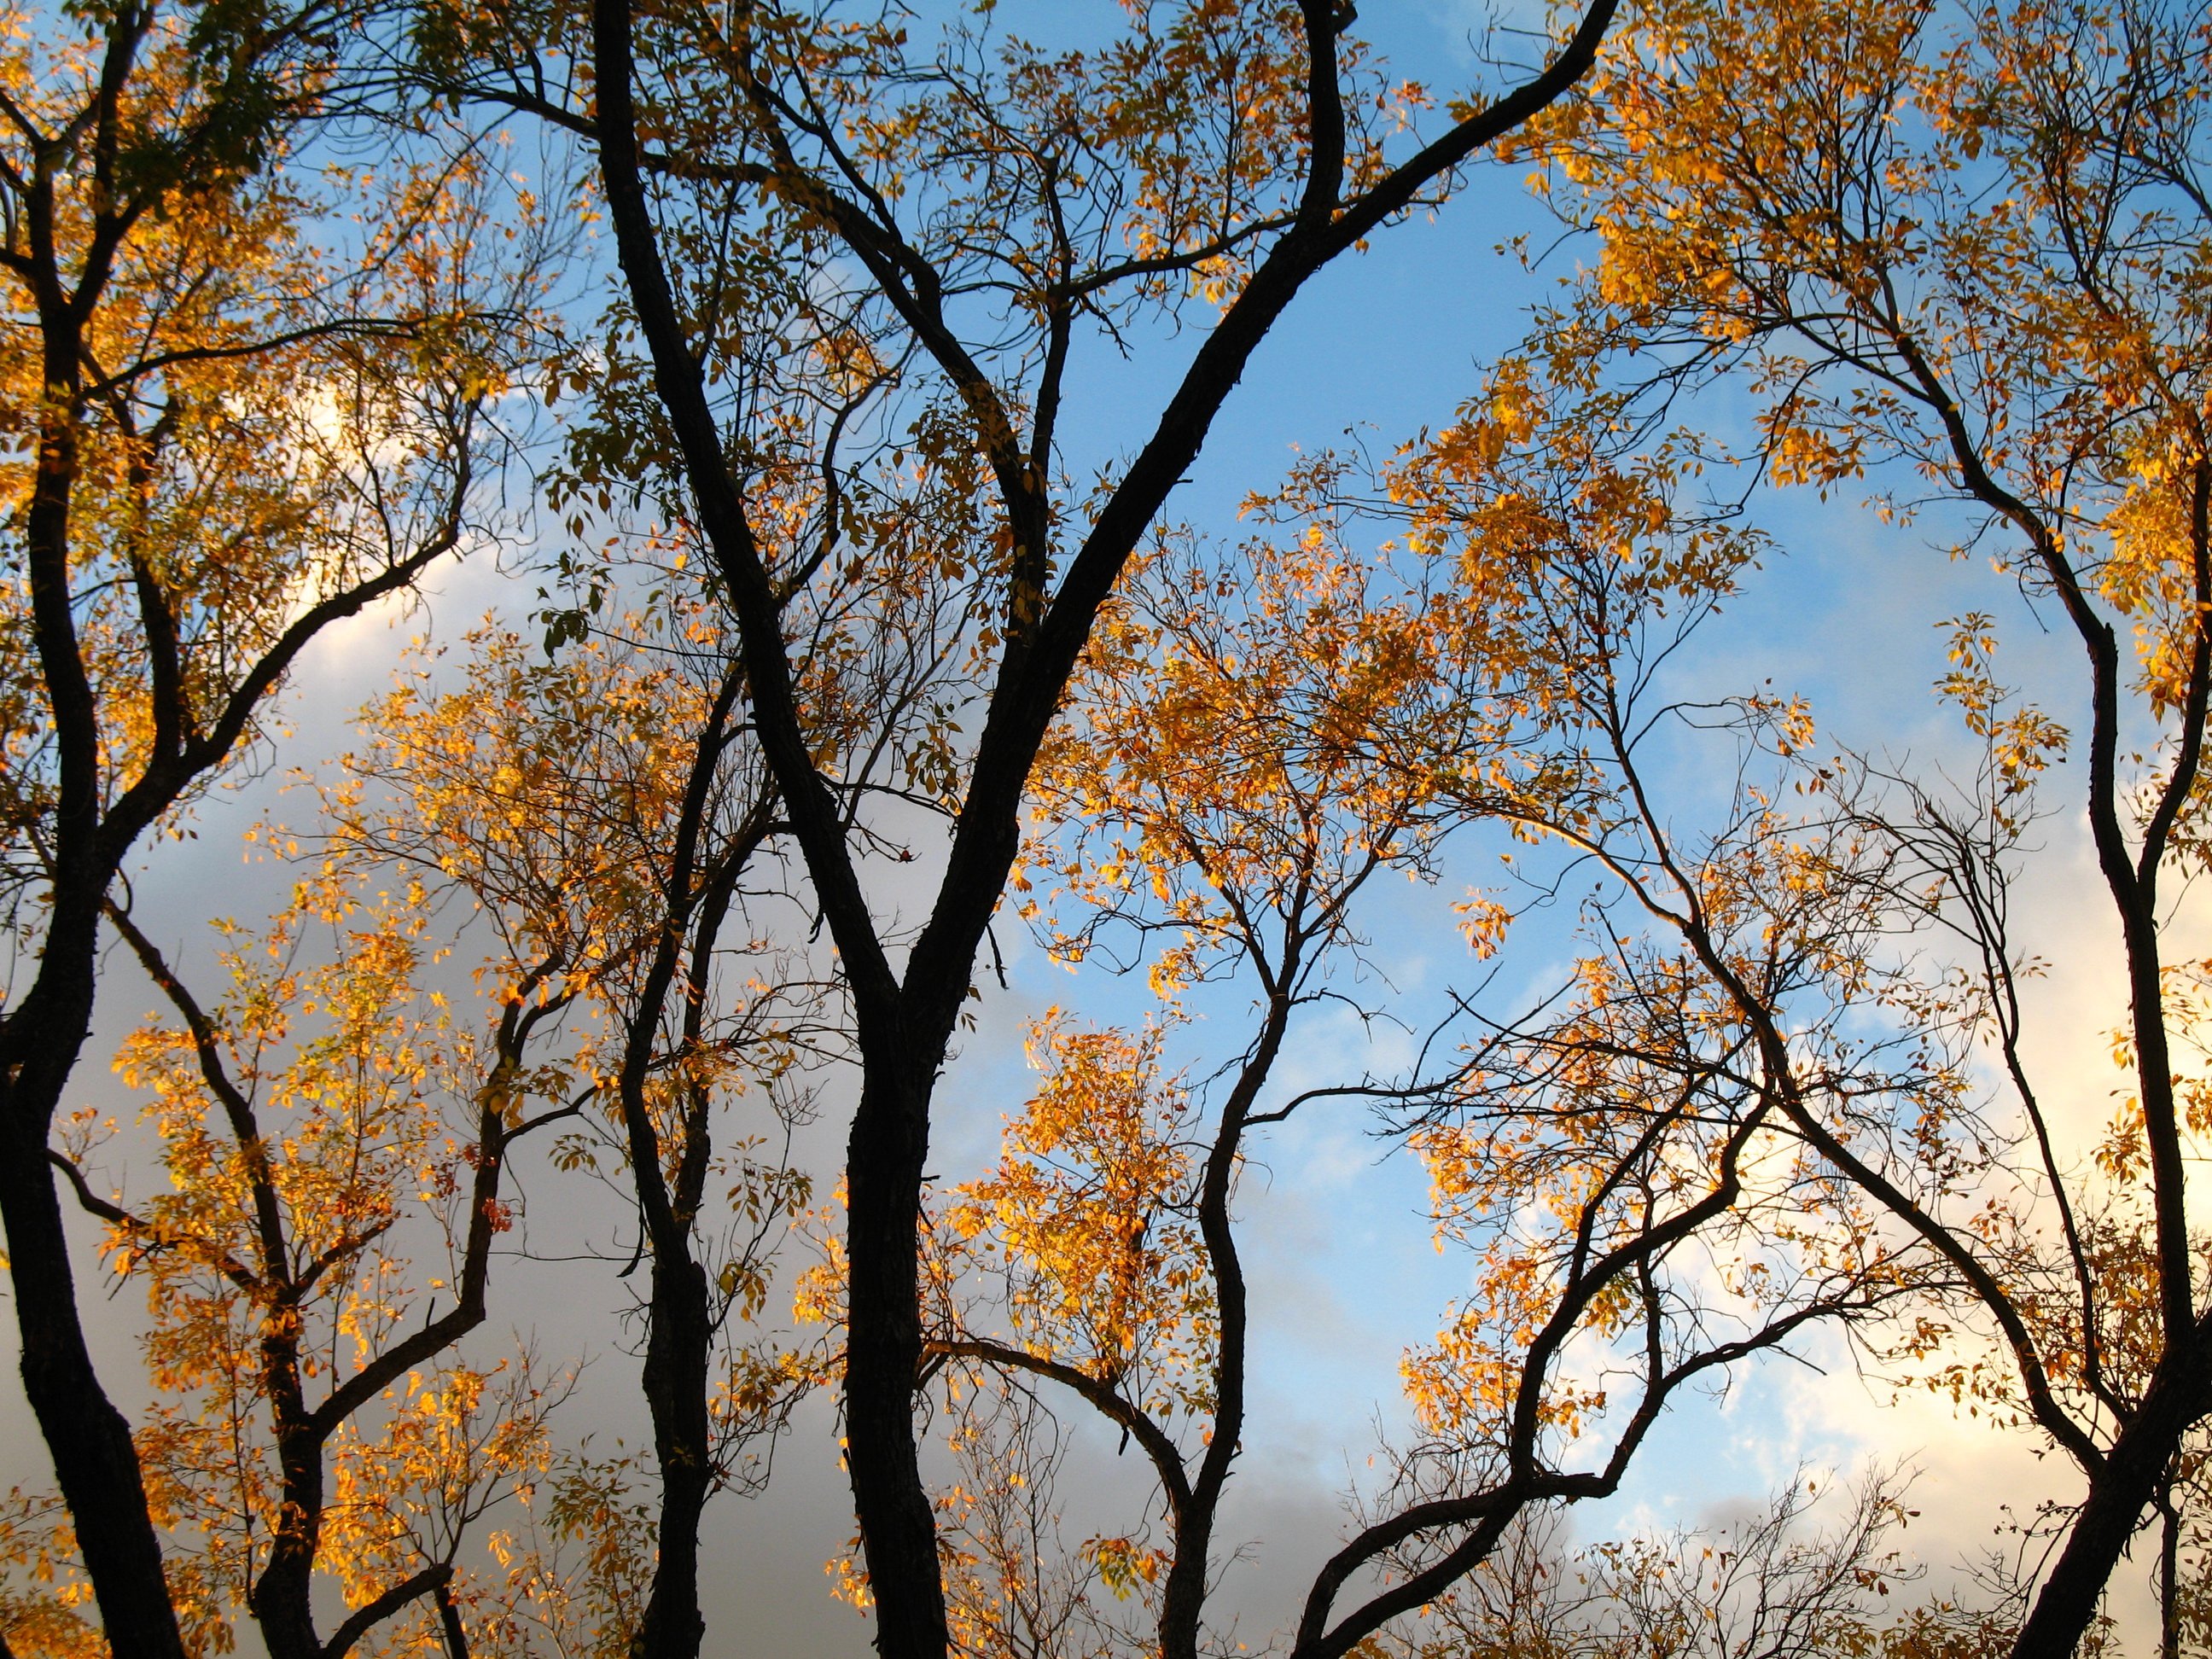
<point>94,1462</point>
<point>2169,1580</point>
<point>883,1354</point>
<point>679,1338</point>
<point>283,1600</point>
<point>449,1624</point>
<point>2119,1493</point>
<point>89,1440</point>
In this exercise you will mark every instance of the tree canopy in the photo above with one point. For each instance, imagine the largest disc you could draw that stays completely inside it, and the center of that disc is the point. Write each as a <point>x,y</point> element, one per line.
<point>844,953</point>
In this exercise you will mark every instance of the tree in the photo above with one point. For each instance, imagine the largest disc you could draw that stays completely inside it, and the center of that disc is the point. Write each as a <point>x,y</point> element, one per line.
<point>986,203</point>
<point>1251,742</point>
<point>1762,1587</point>
<point>1975,257</point>
<point>854,608</point>
<point>1219,800</point>
<point>236,430</point>
<point>600,812</point>
<point>316,1123</point>
<point>560,799</point>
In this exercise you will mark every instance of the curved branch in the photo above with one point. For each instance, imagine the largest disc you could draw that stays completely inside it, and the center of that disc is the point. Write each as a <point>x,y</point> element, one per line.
<point>1140,1427</point>
<point>367,1617</point>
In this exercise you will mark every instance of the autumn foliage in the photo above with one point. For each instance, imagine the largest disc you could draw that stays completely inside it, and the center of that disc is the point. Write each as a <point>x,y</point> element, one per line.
<point>874,918</point>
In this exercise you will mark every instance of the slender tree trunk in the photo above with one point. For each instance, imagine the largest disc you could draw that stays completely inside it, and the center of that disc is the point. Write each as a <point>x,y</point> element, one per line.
<point>679,1337</point>
<point>2169,1586</point>
<point>2127,1485</point>
<point>282,1599</point>
<point>1182,1600</point>
<point>449,1622</point>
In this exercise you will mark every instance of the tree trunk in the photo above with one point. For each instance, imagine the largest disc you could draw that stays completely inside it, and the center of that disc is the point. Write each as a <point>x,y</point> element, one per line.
<point>282,1599</point>
<point>679,1338</point>
<point>2169,1584</point>
<point>883,1354</point>
<point>94,1462</point>
<point>89,1440</point>
<point>2118,1493</point>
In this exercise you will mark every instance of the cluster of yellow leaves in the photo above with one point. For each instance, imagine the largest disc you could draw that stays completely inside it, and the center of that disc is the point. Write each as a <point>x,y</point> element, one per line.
<point>359,1088</point>
<point>1578,1138</point>
<point>2022,740</point>
<point>1878,214</point>
<point>1541,567</point>
<point>576,1569</point>
<point>544,788</point>
<point>350,1064</point>
<point>1255,739</point>
<point>45,1609</point>
<point>1084,1226</point>
<point>447,1449</point>
<point>547,790</point>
